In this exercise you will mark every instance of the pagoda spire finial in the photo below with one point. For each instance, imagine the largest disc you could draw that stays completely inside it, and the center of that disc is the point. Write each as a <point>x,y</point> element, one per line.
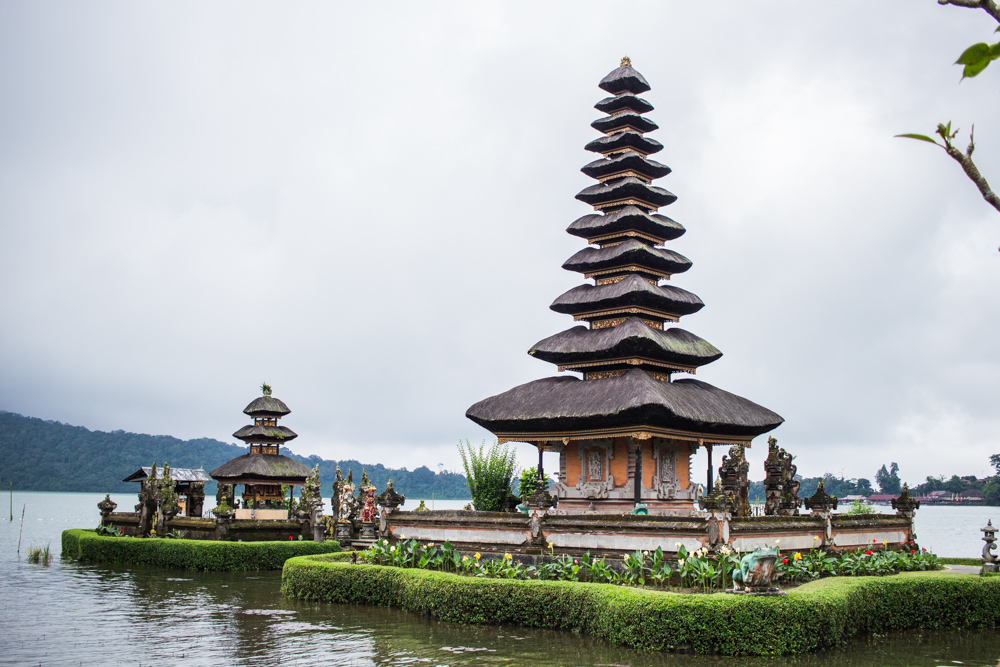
<point>626,62</point>
<point>265,389</point>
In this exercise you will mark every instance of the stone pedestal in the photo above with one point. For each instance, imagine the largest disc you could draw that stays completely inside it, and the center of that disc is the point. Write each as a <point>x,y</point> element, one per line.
<point>107,506</point>
<point>319,530</point>
<point>367,531</point>
<point>344,532</point>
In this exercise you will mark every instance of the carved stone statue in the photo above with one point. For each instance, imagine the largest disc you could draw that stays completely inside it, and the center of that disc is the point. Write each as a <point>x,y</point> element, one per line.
<point>756,573</point>
<point>989,559</point>
<point>773,468</point>
<point>348,504</point>
<point>734,481</point>
<point>338,486</point>
<point>790,486</point>
<point>196,499</point>
<point>368,509</point>
<point>821,502</point>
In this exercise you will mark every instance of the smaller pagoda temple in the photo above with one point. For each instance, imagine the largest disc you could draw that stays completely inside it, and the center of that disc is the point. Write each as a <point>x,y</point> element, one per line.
<point>262,471</point>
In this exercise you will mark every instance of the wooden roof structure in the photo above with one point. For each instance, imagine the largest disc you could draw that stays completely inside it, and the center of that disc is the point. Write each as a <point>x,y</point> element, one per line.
<point>627,353</point>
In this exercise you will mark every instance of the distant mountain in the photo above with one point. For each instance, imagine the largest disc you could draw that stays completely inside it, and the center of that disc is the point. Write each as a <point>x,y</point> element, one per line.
<point>39,455</point>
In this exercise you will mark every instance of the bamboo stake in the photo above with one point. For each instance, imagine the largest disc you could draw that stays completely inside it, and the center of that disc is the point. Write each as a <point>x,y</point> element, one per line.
<point>19,534</point>
<point>12,501</point>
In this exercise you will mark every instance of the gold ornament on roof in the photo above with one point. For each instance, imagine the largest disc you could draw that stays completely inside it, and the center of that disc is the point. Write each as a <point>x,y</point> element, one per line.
<point>626,62</point>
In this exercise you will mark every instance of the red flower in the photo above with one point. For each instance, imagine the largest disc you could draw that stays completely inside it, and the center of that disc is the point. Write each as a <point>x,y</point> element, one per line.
<point>868,553</point>
<point>874,541</point>
<point>784,561</point>
<point>923,549</point>
<point>289,537</point>
<point>913,551</point>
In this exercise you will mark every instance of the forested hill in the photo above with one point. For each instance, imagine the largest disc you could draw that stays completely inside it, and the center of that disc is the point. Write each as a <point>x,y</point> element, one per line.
<point>39,455</point>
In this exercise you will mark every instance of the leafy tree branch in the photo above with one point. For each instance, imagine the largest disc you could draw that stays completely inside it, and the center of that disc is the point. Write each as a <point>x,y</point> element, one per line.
<point>964,159</point>
<point>989,6</point>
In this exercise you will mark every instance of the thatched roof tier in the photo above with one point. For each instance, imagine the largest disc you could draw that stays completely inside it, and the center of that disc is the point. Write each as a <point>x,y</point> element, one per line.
<point>624,101</point>
<point>624,80</point>
<point>266,406</point>
<point>628,253</point>
<point>630,218</point>
<point>625,162</point>
<point>262,433</point>
<point>633,291</point>
<point>568,407</point>
<point>262,469</point>
<point>624,140</point>
<point>629,119</point>
<point>628,188</point>
<point>632,339</point>
<point>177,474</point>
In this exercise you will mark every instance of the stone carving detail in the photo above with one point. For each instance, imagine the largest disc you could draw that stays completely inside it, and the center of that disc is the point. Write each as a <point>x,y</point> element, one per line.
<point>821,502</point>
<point>595,489</point>
<point>666,482</point>
<point>595,465</point>
<point>989,559</point>
<point>734,481</point>
<point>107,506</point>
<point>338,488</point>
<point>389,499</point>
<point>348,503</point>
<point>756,572</point>
<point>780,486</point>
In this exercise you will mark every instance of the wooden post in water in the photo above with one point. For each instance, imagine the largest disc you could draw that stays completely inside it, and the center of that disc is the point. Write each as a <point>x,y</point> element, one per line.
<point>20,530</point>
<point>12,501</point>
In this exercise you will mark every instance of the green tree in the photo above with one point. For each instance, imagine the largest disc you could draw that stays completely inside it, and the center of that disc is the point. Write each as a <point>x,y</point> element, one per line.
<point>974,60</point>
<point>888,480</point>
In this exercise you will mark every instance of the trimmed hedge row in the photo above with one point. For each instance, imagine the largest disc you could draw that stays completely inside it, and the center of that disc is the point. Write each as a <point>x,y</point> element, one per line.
<point>975,562</point>
<point>199,554</point>
<point>815,616</point>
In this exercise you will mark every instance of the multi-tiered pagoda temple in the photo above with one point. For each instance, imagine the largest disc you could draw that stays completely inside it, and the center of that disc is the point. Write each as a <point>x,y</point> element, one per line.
<point>262,471</point>
<point>627,413</point>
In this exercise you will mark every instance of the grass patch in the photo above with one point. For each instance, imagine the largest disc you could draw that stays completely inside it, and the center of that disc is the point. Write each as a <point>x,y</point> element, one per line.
<point>816,616</point>
<point>39,555</point>
<point>197,554</point>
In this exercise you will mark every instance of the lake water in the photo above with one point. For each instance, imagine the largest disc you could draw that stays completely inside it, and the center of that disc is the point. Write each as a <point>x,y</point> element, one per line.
<point>77,614</point>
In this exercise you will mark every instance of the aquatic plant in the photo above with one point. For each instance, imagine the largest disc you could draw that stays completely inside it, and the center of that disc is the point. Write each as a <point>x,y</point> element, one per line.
<point>39,555</point>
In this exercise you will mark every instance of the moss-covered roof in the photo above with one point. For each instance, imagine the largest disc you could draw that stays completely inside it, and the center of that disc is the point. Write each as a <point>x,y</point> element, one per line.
<point>276,468</point>
<point>566,404</point>
<point>632,338</point>
<point>257,432</point>
<point>266,406</point>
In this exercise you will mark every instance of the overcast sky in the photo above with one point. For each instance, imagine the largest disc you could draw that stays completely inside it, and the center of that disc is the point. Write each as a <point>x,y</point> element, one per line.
<point>364,204</point>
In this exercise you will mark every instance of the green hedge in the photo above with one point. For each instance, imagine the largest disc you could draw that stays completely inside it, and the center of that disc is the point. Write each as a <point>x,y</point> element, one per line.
<point>199,554</point>
<point>975,562</point>
<point>818,615</point>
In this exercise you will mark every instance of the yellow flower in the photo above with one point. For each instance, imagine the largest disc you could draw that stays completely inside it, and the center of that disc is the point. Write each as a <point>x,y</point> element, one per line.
<point>681,562</point>
<point>885,542</point>
<point>477,556</point>
<point>797,556</point>
<point>677,545</point>
<point>465,558</point>
<point>506,556</point>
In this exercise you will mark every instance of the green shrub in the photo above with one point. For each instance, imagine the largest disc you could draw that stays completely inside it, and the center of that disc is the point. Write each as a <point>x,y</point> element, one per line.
<point>816,616</point>
<point>974,562</point>
<point>198,554</point>
<point>489,474</point>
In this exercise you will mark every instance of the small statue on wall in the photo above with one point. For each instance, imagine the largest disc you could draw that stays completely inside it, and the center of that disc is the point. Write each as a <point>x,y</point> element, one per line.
<point>389,499</point>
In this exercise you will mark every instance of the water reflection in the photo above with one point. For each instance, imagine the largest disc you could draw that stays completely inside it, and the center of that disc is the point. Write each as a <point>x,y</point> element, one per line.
<point>78,614</point>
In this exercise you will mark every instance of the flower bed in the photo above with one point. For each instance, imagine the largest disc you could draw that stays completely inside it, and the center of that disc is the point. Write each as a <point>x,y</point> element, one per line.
<point>649,568</point>
<point>199,554</point>
<point>818,615</point>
